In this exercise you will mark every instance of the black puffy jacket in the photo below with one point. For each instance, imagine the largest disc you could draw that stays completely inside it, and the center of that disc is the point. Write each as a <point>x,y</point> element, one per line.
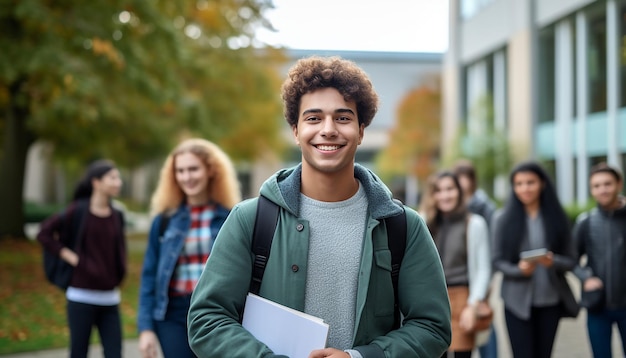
<point>601,235</point>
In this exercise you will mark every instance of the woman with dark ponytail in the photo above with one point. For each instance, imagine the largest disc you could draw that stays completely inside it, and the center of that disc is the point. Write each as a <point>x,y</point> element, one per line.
<point>89,235</point>
<point>533,250</point>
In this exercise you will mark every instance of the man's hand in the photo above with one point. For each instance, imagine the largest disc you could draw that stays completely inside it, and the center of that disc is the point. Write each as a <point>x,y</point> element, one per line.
<point>329,352</point>
<point>148,344</point>
<point>592,284</point>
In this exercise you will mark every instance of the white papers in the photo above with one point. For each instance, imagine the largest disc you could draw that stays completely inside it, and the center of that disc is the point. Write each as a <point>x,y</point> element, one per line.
<point>533,255</point>
<point>284,330</point>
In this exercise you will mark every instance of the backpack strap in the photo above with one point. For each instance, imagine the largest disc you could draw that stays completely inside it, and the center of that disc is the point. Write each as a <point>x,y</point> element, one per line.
<point>396,240</point>
<point>78,223</point>
<point>264,228</point>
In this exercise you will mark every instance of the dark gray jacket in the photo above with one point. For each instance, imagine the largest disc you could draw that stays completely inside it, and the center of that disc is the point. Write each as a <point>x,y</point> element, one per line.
<point>600,234</point>
<point>516,289</point>
<point>481,204</point>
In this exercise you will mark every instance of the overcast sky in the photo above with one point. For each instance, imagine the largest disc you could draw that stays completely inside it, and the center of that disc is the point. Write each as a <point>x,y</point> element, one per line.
<point>359,25</point>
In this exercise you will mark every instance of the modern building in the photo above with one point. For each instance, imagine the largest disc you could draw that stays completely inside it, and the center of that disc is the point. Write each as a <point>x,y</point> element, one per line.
<point>553,73</point>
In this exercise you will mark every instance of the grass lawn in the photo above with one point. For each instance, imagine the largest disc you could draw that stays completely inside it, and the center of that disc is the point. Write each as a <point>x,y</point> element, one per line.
<point>33,310</point>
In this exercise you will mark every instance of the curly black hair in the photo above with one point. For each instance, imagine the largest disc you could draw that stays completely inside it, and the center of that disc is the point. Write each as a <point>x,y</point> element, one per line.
<point>312,73</point>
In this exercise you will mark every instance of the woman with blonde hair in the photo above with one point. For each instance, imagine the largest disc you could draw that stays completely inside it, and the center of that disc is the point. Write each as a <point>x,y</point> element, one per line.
<point>197,188</point>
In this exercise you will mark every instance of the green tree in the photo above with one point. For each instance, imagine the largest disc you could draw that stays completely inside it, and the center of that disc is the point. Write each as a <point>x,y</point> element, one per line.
<point>413,146</point>
<point>124,78</point>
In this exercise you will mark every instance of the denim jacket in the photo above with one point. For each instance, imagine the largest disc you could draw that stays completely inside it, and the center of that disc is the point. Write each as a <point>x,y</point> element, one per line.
<point>160,260</point>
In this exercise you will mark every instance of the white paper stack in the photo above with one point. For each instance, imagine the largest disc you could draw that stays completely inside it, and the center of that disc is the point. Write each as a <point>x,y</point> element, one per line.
<point>284,330</point>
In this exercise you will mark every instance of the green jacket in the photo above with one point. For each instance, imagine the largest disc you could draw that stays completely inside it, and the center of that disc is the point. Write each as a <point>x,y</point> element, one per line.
<point>214,315</point>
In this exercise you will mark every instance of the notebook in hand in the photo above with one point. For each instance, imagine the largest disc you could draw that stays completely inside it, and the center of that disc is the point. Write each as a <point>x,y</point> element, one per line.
<point>284,330</point>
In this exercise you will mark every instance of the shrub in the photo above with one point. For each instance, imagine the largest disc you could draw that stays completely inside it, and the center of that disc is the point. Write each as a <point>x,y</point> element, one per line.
<point>573,210</point>
<point>36,212</point>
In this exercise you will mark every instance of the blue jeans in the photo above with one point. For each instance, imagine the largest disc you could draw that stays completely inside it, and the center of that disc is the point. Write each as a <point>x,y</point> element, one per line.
<point>172,331</point>
<point>490,349</point>
<point>599,328</point>
<point>81,317</point>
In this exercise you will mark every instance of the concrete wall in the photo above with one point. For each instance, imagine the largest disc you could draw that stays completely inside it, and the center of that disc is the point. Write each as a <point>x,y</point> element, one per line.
<point>519,72</point>
<point>492,27</point>
<point>548,11</point>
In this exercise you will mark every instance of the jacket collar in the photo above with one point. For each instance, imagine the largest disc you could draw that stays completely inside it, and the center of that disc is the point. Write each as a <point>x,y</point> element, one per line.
<point>284,189</point>
<point>183,209</point>
<point>621,211</point>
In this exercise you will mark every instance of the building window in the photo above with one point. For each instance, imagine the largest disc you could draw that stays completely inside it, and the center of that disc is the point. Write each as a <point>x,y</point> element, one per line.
<point>464,102</point>
<point>550,168</point>
<point>469,8</point>
<point>597,63</point>
<point>622,170</point>
<point>622,57</point>
<point>546,78</point>
<point>574,72</point>
<point>485,87</point>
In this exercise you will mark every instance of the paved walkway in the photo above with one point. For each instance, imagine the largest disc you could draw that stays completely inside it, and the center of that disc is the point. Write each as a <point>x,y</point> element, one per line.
<point>571,340</point>
<point>130,350</point>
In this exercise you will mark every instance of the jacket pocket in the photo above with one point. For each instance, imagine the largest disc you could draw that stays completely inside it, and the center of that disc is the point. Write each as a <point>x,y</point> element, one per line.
<point>593,301</point>
<point>382,284</point>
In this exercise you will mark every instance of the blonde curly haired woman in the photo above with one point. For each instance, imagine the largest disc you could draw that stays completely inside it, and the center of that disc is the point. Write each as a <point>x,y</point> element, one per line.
<point>197,188</point>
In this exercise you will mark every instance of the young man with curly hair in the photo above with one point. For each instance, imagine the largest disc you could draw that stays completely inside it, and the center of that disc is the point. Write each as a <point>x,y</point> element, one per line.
<point>329,256</point>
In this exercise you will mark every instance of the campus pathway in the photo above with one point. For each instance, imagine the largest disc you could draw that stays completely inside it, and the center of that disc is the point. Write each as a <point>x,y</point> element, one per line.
<point>130,350</point>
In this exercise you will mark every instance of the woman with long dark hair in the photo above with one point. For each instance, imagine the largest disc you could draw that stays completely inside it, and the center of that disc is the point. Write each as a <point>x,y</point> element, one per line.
<point>533,250</point>
<point>197,188</point>
<point>462,239</point>
<point>92,240</point>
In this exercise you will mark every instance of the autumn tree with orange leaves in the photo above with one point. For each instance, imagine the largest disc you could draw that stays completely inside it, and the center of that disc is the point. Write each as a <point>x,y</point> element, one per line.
<point>124,78</point>
<point>414,140</point>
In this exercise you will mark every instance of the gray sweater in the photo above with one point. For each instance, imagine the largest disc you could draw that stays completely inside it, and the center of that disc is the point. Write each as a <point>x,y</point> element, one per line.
<point>337,231</point>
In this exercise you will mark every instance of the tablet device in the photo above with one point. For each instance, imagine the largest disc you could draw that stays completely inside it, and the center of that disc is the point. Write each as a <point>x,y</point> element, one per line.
<point>532,255</point>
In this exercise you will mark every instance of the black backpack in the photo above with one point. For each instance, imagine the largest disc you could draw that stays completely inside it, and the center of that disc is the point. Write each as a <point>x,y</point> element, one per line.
<point>58,272</point>
<point>265,226</point>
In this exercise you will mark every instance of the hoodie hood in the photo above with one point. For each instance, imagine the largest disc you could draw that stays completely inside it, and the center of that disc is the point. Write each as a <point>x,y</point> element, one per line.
<point>283,188</point>
<point>621,211</point>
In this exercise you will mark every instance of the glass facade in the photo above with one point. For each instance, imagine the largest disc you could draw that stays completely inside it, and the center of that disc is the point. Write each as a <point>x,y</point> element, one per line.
<point>622,57</point>
<point>470,8</point>
<point>546,78</point>
<point>597,60</point>
<point>479,82</point>
<point>572,142</point>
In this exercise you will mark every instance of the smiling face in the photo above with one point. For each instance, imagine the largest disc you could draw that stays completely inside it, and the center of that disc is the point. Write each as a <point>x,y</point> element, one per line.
<point>446,195</point>
<point>527,187</point>
<point>605,189</point>
<point>193,177</point>
<point>328,133</point>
